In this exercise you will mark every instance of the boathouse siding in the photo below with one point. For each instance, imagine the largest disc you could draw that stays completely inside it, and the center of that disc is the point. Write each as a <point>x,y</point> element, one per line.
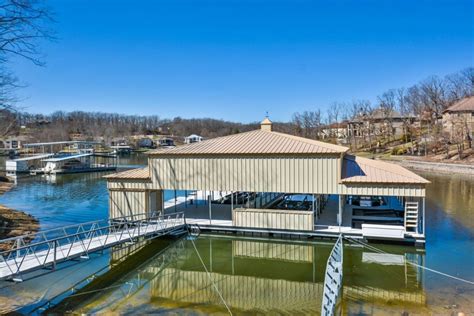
<point>310,174</point>
<point>317,174</point>
<point>126,203</point>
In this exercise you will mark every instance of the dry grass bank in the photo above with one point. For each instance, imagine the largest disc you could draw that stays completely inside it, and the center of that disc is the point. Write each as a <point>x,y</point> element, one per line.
<point>14,223</point>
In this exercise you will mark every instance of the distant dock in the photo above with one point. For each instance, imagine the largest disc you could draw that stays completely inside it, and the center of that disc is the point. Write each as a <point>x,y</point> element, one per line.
<point>60,158</point>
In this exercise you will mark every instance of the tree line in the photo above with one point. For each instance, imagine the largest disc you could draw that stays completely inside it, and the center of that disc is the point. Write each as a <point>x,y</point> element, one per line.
<point>109,126</point>
<point>424,102</point>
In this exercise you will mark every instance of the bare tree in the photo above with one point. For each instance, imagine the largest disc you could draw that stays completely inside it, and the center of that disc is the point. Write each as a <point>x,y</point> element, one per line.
<point>407,115</point>
<point>387,103</point>
<point>460,84</point>
<point>22,24</point>
<point>334,117</point>
<point>7,100</point>
<point>307,124</point>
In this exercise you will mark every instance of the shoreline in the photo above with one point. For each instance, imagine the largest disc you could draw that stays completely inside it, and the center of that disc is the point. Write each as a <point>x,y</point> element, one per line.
<point>443,167</point>
<point>14,223</point>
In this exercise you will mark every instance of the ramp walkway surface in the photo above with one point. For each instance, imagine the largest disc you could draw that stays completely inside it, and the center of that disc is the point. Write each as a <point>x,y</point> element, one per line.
<point>46,248</point>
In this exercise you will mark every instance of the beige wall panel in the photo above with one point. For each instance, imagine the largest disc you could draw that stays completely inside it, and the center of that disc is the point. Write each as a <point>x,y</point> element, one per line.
<point>296,175</point>
<point>273,219</point>
<point>249,174</point>
<point>127,203</point>
<point>318,175</point>
<point>383,190</point>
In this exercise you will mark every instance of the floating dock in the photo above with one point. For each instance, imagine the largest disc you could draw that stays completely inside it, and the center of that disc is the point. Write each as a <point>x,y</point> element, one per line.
<point>52,164</point>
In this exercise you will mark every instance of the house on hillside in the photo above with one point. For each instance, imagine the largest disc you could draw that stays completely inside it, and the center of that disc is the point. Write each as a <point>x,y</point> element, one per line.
<point>193,138</point>
<point>166,142</point>
<point>380,123</point>
<point>13,142</point>
<point>146,142</point>
<point>458,119</point>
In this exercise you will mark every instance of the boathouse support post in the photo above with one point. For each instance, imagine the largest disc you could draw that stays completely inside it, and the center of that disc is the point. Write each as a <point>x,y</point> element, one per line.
<point>175,198</point>
<point>161,194</point>
<point>210,208</point>
<point>341,209</point>
<point>423,216</point>
<point>317,206</point>
<point>232,209</point>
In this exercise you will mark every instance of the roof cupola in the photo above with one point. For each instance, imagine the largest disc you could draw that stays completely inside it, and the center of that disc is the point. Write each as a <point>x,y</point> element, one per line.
<point>266,125</point>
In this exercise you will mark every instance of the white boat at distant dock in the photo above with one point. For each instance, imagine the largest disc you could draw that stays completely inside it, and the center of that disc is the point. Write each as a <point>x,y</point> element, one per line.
<point>72,164</point>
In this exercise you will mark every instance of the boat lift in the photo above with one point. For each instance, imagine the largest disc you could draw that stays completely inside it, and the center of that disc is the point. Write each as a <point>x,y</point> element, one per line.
<point>47,248</point>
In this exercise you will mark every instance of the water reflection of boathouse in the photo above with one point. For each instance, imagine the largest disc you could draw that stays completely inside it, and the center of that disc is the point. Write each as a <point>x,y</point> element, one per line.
<point>265,276</point>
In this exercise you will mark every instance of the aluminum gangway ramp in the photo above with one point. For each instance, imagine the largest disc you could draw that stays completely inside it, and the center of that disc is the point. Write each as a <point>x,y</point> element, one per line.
<point>333,279</point>
<point>46,248</point>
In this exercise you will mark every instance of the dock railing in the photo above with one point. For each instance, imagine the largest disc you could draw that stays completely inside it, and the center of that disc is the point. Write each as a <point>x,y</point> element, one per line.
<point>333,279</point>
<point>47,248</point>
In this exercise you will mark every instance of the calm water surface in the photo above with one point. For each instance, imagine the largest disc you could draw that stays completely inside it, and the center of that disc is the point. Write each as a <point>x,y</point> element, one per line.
<point>254,276</point>
<point>67,199</point>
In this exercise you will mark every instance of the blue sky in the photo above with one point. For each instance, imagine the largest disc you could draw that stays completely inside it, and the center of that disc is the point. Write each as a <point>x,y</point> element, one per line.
<point>238,59</point>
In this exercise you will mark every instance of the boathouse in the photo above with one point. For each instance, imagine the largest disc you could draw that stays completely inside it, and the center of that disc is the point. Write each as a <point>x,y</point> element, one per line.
<point>270,182</point>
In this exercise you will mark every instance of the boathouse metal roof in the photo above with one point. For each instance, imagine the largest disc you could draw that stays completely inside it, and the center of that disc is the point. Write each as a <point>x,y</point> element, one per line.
<point>254,143</point>
<point>67,157</point>
<point>85,142</point>
<point>363,170</point>
<point>41,156</point>
<point>139,174</point>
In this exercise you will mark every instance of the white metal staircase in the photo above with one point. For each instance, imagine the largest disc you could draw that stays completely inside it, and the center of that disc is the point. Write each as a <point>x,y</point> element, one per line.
<point>411,216</point>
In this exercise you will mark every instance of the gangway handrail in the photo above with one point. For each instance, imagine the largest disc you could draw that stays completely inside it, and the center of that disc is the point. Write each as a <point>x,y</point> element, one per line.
<point>115,224</point>
<point>61,228</point>
<point>88,237</point>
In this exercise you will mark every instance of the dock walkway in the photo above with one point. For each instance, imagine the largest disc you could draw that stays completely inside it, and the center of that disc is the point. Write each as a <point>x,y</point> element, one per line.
<point>78,241</point>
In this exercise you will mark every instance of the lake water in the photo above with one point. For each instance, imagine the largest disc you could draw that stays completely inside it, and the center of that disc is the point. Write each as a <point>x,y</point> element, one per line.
<point>253,276</point>
<point>57,200</point>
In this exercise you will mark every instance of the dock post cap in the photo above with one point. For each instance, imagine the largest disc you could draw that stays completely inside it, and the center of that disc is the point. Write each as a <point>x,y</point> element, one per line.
<point>266,125</point>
